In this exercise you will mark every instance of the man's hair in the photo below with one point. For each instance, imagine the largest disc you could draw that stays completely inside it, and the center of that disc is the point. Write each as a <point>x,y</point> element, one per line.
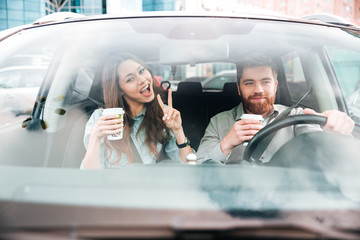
<point>255,60</point>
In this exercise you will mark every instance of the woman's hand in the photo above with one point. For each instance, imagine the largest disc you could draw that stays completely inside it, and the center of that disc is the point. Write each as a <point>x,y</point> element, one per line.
<point>171,118</point>
<point>107,125</point>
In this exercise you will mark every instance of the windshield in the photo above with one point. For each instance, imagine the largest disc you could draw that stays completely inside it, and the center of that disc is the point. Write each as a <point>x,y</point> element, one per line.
<point>52,92</point>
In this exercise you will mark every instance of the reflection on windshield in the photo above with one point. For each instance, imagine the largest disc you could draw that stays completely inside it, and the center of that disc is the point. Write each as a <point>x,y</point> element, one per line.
<point>58,85</point>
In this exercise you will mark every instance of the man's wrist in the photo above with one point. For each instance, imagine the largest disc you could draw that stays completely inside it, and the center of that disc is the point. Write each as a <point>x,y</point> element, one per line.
<point>225,148</point>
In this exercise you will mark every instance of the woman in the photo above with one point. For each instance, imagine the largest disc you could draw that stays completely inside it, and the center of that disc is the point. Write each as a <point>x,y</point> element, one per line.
<point>149,126</point>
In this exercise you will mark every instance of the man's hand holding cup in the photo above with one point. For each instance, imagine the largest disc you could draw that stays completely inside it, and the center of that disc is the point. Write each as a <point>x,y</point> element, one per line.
<point>241,132</point>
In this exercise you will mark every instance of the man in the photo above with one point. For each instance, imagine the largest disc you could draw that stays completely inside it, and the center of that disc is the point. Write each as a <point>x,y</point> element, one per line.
<point>257,84</point>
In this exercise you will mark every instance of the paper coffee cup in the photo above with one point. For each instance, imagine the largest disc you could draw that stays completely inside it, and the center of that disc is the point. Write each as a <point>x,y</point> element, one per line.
<point>252,116</point>
<point>114,111</point>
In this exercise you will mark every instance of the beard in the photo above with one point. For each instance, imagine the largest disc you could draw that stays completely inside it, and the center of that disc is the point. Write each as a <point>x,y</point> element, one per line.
<point>261,108</point>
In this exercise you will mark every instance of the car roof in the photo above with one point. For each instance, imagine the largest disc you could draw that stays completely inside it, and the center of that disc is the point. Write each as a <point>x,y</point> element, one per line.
<point>51,18</point>
<point>79,17</point>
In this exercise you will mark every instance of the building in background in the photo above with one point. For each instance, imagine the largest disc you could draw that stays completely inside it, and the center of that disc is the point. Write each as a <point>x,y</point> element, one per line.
<point>19,12</point>
<point>86,7</point>
<point>347,9</point>
<point>158,5</point>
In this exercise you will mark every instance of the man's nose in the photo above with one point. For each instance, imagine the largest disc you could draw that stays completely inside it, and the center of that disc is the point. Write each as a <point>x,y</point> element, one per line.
<point>259,88</point>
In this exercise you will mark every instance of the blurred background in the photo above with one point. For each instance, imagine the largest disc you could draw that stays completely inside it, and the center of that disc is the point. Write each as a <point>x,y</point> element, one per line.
<point>19,12</point>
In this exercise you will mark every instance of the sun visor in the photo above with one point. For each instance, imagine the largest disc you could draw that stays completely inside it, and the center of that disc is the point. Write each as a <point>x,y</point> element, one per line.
<point>192,51</point>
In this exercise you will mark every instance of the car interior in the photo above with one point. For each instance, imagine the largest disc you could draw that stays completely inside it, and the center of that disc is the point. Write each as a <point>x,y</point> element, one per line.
<point>75,91</point>
<point>195,104</point>
<point>72,89</point>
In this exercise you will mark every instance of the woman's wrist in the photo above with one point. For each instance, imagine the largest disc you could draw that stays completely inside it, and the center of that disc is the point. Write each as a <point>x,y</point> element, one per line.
<point>179,136</point>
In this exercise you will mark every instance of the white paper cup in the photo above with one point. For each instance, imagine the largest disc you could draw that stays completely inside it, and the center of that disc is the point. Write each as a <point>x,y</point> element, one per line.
<point>252,116</point>
<point>114,111</point>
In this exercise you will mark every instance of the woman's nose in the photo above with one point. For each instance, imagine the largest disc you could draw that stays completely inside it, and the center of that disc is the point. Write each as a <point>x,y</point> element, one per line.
<point>140,79</point>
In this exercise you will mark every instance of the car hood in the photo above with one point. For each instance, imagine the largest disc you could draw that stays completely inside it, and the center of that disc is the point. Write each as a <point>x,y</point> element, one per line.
<point>168,202</point>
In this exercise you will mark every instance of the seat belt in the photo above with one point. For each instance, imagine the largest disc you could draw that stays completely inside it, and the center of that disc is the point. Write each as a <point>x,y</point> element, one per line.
<point>136,155</point>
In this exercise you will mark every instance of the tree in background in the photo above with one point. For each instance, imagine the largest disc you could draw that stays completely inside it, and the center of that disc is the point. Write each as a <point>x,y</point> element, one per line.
<point>55,5</point>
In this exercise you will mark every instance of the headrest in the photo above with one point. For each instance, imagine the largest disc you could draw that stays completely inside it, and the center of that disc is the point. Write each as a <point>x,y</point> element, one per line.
<point>230,89</point>
<point>189,88</point>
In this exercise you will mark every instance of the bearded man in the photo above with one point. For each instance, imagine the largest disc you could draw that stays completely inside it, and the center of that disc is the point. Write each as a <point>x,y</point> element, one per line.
<point>225,137</point>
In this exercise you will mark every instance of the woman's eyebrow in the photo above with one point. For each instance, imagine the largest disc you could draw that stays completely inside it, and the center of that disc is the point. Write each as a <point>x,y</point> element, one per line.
<point>129,74</point>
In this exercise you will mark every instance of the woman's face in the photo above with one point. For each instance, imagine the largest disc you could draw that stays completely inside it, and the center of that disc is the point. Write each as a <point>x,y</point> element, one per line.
<point>136,82</point>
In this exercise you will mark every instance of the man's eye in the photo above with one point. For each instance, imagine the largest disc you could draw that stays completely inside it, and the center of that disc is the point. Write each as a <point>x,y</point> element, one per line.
<point>248,83</point>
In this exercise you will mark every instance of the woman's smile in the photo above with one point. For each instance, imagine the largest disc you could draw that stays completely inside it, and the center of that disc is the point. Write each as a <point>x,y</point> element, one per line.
<point>146,91</point>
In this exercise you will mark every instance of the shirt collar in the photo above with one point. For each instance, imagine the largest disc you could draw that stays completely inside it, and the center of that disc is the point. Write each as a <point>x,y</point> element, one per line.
<point>239,111</point>
<point>275,112</point>
<point>141,115</point>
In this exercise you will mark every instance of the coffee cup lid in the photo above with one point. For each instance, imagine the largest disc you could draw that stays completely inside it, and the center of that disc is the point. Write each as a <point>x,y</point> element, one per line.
<point>252,116</point>
<point>113,110</point>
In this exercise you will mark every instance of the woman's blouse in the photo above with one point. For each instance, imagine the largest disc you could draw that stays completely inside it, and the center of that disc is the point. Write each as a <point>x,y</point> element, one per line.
<point>170,148</point>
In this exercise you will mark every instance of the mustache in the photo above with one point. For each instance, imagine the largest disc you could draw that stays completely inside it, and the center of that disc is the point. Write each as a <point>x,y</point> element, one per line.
<point>257,95</point>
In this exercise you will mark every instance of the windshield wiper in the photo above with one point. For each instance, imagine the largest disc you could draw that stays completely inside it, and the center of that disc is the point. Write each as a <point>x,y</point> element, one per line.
<point>265,143</point>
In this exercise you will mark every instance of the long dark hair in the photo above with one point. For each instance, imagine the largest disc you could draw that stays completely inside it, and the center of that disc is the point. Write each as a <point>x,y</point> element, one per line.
<point>152,123</point>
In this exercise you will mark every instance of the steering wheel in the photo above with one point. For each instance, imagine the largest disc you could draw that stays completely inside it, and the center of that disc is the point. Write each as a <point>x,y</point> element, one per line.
<point>252,147</point>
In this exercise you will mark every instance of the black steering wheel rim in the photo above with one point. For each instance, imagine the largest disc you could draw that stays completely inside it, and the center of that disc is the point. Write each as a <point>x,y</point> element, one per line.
<point>275,126</point>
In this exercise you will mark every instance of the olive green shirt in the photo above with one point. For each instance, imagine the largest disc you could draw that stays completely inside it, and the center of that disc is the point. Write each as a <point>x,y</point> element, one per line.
<point>221,124</point>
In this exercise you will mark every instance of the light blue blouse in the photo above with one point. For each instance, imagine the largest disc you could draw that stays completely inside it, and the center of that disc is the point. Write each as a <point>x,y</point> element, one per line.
<point>171,149</point>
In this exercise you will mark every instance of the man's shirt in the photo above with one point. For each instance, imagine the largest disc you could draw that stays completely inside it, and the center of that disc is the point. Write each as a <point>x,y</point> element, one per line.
<point>221,124</point>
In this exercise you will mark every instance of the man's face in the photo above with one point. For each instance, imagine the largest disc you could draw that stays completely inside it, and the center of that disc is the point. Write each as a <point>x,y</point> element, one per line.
<point>257,88</point>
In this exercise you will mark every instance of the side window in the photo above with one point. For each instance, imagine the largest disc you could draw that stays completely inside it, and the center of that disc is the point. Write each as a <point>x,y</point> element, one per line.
<point>346,64</point>
<point>83,82</point>
<point>294,74</point>
<point>218,82</point>
<point>295,79</point>
<point>23,67</point>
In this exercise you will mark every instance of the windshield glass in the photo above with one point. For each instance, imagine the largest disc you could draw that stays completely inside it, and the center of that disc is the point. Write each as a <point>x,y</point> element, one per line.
<point>55,83</point>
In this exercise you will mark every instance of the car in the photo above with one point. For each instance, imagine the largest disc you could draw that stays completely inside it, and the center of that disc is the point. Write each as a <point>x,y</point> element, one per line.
<point>45,194</point>
<point>218,80</point>
<point>19,86</point>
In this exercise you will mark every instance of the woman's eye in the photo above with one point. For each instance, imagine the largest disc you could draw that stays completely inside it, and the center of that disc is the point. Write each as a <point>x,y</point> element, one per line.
<point>129,79</point>
<point>142,71</point>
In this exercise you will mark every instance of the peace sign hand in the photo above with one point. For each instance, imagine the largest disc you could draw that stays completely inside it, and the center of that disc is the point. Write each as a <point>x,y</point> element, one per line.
<point>171,118</point>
